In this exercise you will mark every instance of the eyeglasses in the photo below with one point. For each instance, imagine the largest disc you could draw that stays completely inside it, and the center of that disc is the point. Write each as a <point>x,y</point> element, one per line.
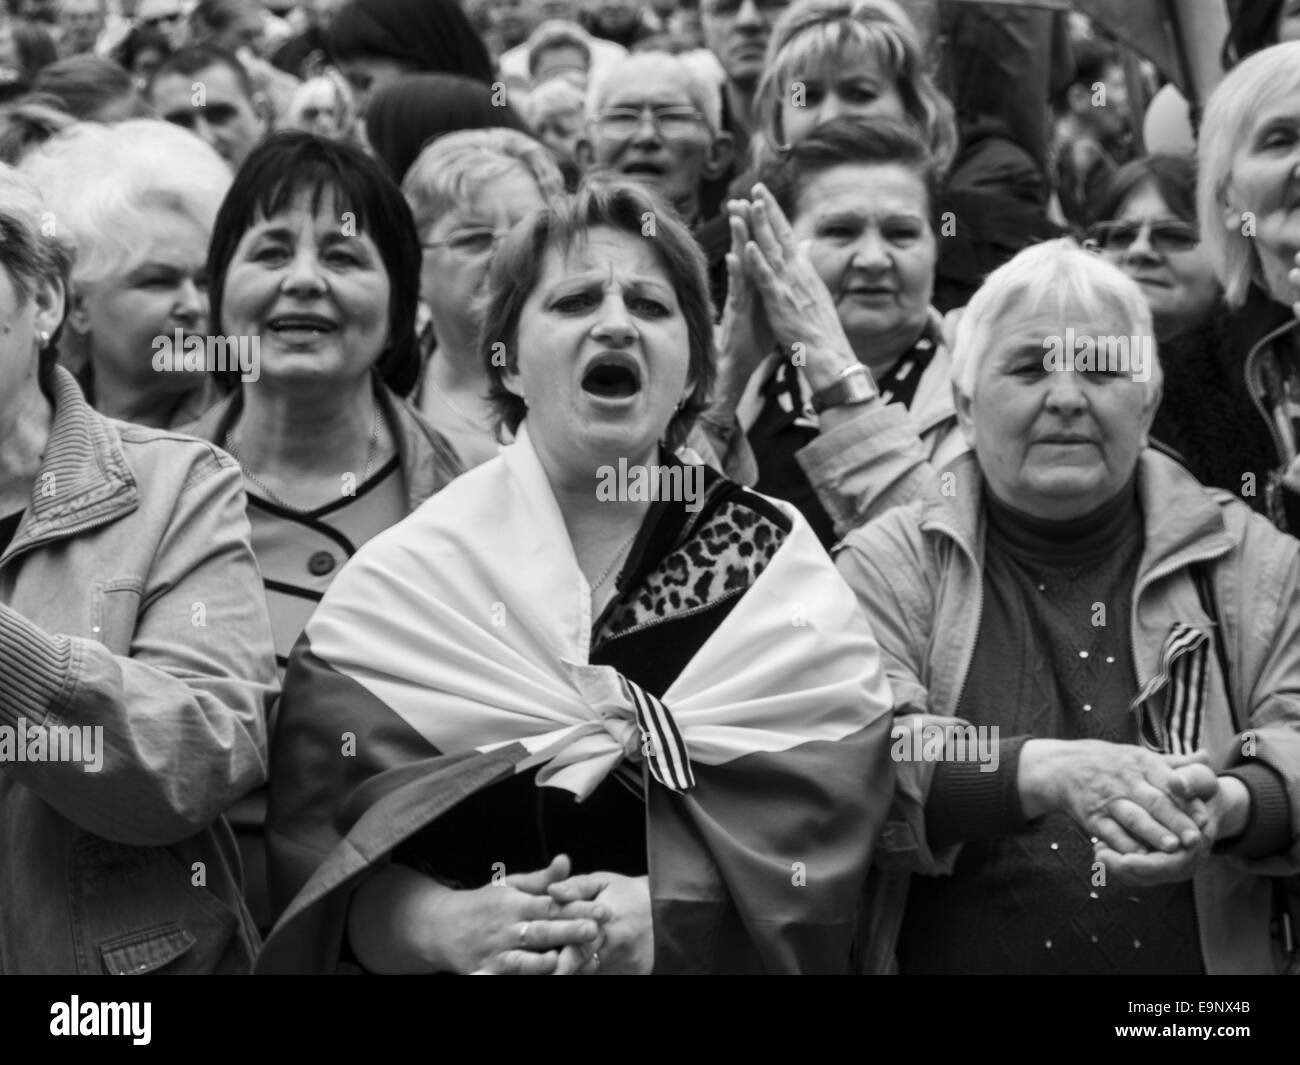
<point>728,8</point>
<point>677,121</point>
<point>1164,236</point>
<point>470,243</point>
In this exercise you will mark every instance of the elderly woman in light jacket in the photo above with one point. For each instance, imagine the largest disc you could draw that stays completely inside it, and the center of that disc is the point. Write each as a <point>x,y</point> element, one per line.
<point>1094,662</point>
<point>135,661</point>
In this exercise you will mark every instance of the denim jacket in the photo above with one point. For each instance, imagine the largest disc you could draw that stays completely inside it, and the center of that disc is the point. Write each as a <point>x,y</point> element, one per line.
<point>131,607</point>
<point>918,573</point>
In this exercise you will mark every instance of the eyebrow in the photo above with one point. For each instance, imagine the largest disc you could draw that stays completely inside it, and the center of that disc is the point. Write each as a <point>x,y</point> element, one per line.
<point>596,278</point>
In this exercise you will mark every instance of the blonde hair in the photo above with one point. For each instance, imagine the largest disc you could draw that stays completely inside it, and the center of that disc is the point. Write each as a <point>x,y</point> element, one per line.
<point>448,171</point>
<point>1249,87</point>
<point>829,34</point>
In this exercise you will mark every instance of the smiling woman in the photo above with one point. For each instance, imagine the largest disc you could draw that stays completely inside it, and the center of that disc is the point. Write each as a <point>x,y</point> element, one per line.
<point>314,260</point>
<point>586,674</point>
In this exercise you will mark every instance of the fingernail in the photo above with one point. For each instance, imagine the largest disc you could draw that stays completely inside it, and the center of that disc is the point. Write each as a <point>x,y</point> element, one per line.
<point>1169,842</point>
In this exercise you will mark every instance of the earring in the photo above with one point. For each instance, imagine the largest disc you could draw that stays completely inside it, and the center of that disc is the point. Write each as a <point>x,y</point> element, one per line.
<point>44,338</point>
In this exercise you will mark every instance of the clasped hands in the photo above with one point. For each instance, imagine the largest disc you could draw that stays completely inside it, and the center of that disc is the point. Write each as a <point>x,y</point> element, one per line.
<point>1153,818</point>
<point>548,922</point>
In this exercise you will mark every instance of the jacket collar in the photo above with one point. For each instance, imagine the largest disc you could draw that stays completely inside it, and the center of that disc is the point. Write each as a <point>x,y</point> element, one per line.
<point>1181,519</point>
<point>427,460</point>
<point>84,478</point>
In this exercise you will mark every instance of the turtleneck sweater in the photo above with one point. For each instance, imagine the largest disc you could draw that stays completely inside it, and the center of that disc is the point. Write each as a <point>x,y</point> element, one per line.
<point>1053,659</point>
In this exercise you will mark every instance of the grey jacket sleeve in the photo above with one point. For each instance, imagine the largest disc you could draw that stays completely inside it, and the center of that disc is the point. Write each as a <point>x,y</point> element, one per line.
<point>182,715</point>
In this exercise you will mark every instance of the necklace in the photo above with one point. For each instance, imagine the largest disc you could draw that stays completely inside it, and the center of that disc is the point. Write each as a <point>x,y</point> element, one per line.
<point>455,409</point>
<point>370,458</point>
<point>627,544</point>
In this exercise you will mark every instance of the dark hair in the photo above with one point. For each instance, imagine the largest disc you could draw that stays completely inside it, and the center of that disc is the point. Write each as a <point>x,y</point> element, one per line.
<point>140,40</point>
<point>1092,58</point>
<point>430,35</point>
<point>849,140</point>
<point>517,270</point>
<point>1174,178</point>
<point>27,122</point>
<point>405,115</point>
<point>1252,25</point>
<point>291,162</point>
<point>197,58</point>
<point>84,84</point>
<point>35,48</point>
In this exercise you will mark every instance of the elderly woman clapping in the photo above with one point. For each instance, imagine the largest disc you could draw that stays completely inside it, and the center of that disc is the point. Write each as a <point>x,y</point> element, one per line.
<point>1122,642</point>
<point>833,365</point>
<point>135,660</point>
<point>580,708</point>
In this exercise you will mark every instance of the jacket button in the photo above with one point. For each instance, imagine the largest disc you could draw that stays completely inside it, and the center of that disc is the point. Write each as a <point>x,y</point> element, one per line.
<point>321,563</point>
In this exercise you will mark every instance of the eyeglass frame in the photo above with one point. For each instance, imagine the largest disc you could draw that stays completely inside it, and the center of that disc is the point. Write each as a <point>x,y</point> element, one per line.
<point>498,235</point>
<point>1095,243</point>
<point>770,8</point>
<point>699,117</point>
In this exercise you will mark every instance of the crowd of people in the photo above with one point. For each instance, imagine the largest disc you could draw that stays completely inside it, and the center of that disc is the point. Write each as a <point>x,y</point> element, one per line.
<point>819,429</point>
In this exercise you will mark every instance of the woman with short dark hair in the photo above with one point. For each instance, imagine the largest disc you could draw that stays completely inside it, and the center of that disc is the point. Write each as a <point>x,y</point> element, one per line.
<point>580,707</point>
<point>314,273</point>
<point>833,380</point>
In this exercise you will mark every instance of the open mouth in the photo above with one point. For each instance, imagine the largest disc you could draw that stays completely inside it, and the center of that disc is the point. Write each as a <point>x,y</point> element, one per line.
<point>643,169</point>
<point>310,324</point>
<point>611,378</point>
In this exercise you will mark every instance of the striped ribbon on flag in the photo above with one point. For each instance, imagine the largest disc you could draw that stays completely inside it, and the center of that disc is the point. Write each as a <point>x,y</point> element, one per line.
<point>661,743</point>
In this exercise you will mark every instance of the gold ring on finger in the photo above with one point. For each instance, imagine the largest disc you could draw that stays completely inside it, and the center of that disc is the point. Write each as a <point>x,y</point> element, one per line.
<point>523,935</point>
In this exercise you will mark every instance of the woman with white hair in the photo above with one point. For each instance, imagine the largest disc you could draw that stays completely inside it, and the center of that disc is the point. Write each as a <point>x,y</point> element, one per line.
<point>1094,663</point>
<point>466,190</point>
<point>138,203</point>
<point>1248,201</point>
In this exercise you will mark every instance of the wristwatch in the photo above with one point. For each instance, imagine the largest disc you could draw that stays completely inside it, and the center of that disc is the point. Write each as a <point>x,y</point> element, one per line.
<point>853,385</point>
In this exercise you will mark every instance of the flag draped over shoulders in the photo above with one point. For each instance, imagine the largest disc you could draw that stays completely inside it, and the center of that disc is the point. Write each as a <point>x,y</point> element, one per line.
<point>455,651</point>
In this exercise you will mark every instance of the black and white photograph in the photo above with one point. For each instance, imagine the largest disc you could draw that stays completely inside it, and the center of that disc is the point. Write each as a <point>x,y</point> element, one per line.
<point>689,487</point>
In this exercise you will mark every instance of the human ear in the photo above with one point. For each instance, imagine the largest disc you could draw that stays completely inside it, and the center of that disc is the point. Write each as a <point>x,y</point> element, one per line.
<point>721,154</point>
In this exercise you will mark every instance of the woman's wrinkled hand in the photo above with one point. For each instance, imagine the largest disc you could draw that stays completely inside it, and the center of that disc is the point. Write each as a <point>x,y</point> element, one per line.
<point>628,934</point>
<point>515,927</point>
<point>799,309</point>
<point>1130,799</point>
<point>1223,804</point>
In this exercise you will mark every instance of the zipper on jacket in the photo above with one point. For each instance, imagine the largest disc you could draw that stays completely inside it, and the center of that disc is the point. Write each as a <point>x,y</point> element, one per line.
<point>979,611</point>
<point>1251,356</point>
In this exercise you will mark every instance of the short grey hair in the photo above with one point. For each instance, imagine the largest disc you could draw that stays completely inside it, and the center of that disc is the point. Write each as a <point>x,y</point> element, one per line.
<point>449,170</point>
<point>1055,274</point>
<point>1250,86</point>
<point>99,182</point>
<point>705,95</point>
